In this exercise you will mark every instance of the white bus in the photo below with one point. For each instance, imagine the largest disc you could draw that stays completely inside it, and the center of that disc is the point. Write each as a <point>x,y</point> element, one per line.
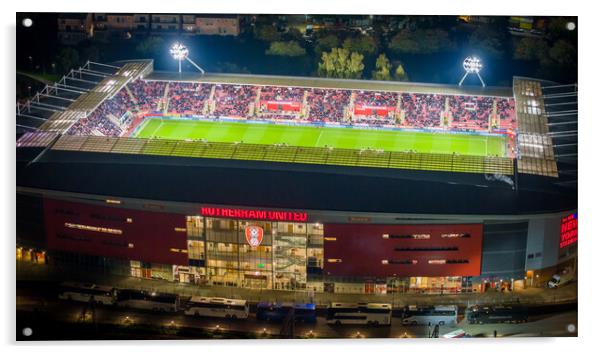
<point>430,315</point>
<point>87,293</point>
<point>362,313</point>
<point>147,300</point>
<point>217,307</point>
<point>458,333</point>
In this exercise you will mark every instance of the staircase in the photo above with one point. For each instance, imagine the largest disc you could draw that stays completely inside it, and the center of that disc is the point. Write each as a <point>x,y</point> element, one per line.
<point>166,99</point>
<point>494,120</point>
<point>350,109</point>
<point>304,114</point>
<point>256,105</point>
<point>445,117</point>
<point>399,118</point>
<point>111,118</point>
<point>209,105</point>
<point>127,89</point>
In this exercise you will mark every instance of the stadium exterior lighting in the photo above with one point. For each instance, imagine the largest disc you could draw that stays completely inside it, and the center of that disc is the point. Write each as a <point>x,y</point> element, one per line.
<point>472,65</point>
<point>180,52</point>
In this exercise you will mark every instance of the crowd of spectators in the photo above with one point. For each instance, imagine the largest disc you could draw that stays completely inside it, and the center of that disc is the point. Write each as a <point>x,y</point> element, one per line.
<point>278,93</point>
<point>327,105</point>
<point>148,94</point>
<point>120,104</point>
<point>110,118</point>
<point>280,102</point>
<point>187,97</point>
<point>376,99</point>
<point>97,123</point>
<point>321,105</point>
<point>506,113</point>
<point>470,112</point>
<point>233,101</point>
<point>375,108</point>
<point>422,110</point>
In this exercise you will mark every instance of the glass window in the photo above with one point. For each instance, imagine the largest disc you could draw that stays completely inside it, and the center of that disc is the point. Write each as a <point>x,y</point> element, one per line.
<point>196,250</point>
<point>194,226</point>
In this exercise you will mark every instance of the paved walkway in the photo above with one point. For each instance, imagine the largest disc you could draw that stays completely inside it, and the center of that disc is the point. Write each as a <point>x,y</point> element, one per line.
<point>30,271</point>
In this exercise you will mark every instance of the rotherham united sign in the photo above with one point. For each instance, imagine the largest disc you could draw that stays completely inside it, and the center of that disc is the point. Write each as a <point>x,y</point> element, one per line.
<point>254,235</point>
<point>255,214</point>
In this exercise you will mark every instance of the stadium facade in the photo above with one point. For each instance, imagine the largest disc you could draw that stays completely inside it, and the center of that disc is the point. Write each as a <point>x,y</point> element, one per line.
<point>266,223</point>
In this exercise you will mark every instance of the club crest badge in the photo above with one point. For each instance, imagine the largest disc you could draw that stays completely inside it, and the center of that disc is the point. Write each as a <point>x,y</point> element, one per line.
<point>254,235</point>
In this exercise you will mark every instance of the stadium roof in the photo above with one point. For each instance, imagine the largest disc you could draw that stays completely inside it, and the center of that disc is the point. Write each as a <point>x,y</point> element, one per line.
<point>316,82</point>
<point>288,154</point>
<point>75,95</point>
<point>287,185</point>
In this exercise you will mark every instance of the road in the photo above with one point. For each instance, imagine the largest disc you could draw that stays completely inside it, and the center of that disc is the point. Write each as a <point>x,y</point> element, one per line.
<point>39,309</point>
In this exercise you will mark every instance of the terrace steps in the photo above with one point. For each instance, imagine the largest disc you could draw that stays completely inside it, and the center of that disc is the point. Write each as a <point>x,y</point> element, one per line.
<point>289,154</point>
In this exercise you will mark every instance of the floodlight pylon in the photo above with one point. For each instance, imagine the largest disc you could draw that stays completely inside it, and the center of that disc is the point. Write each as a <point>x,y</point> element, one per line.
<point>472,65</point>
<point>179,52</point>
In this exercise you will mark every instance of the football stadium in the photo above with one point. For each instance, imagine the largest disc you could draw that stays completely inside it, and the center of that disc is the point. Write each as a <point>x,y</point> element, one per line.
<point>298,183</point>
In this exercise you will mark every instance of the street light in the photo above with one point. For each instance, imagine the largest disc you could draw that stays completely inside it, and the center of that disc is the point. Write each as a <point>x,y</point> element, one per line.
<point>180,52</point>
<point>472,65</point>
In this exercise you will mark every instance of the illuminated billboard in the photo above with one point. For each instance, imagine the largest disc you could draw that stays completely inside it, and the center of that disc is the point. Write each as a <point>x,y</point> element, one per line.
<point>568,230</point>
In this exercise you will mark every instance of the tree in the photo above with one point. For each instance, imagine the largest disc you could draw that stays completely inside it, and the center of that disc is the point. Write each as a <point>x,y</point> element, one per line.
<point>67,59</point>
<point>356,66</point>
<point>150,45</point>
<point>400,73</point>
<point>294,34</point>
<point>326,43</point>
<point>489,41</point>
<point>560,62</point>
<point>383,68</point>
<point>363,44</point>
<point>267,33</point>
<point>434,40</point>
<point>288,49</point>
<point>531,48</point>
<point>421,41</point>
<point>340,63</point>
<point>403,42</point>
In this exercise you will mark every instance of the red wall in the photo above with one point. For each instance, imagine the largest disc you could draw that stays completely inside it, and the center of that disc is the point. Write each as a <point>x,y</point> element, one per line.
<point>362,248</point>
<point>151,233</point>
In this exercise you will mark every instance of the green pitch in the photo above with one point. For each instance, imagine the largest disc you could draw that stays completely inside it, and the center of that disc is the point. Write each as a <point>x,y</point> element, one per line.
<point>319,137</point>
